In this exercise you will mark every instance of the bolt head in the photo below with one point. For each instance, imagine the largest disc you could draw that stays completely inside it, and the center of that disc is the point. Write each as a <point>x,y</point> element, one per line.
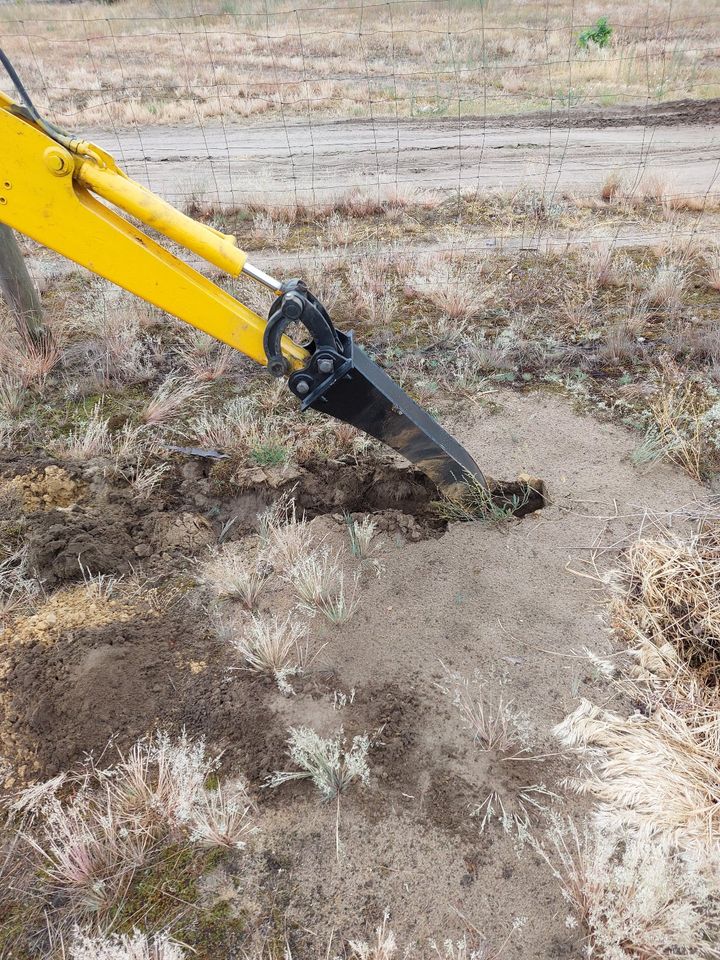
<point>325,365</point>
<point>58,161</point>
<point>303,387</point>
<point>278,368</point>
<point>292,306</point>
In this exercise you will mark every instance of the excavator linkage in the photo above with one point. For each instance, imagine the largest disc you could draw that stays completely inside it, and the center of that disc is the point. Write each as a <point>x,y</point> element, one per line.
<point>51,188</point>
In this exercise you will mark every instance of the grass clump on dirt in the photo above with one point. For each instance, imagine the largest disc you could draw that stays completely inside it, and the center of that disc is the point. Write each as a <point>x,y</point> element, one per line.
<point>270,645</point>
<point>325,761</point>
<point>682,429</point>
<point>319,582</point>
<point>668,601</point>
<point>229,574</point>
<point>642,877</point>
<point>480,502</point>
<point>631,895</point>
<point>84,843</point>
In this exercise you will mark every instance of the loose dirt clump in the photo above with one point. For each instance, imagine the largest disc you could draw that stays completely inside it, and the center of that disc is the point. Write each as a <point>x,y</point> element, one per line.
<point>46,489</point>
<point>101,539</point>
<point>231,709</point>
<point>71,690</point>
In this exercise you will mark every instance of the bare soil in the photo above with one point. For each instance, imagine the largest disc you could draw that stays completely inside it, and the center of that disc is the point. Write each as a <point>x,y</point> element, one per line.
<point>498,605</point>
<point>555,153</point>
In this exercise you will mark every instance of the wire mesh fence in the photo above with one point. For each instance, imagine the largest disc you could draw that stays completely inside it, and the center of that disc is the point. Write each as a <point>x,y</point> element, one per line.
<point>455,124</point>
<point>483,192</point>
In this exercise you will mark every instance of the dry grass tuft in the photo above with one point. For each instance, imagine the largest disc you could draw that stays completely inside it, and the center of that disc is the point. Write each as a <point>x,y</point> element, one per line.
<point>26,357</point>
<point>493,723</point>
<point>224,817</point>
<point>479,503</point>
<point>204,357</point>
<point>658,771</point>
<point>327,762</point>
<point>19,586</point>
<point>370,284</point>
<point>231,575</point>
<point>658,775</point>
<point>712,268</point>
<point>89,439</point>
<point>668,599</point>
<point>319,583</point>
<point>286,537</point>
<point>667,287</point>
<point>136,946</point>
<point>13,395</point>
<point>271,646</point>
<point>383,947</point>
<point>679,430</point>
<point>88,848</point>
<point>634,898</point>
<point>172,398</point>
<point>361,533</point>
<point>598,262</point>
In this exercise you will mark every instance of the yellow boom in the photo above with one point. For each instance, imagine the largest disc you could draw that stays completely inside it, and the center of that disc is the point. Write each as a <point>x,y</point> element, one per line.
<point>49,192</point>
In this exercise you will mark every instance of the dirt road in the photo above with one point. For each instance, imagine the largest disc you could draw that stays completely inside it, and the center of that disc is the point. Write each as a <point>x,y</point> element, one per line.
<point>232,163</point>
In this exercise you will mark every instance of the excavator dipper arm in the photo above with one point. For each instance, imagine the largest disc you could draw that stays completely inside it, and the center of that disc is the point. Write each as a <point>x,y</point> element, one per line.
<point>69,195</point>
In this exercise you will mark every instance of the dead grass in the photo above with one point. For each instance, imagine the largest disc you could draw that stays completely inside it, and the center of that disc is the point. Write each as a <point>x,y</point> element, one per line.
<point>641,876</point>
<point>13,396</point>
<point>285,536</point>
<point>320,584</point>
<point>658,771</point>
<point>269,645</point>
<point>668,601</point>
<point>172,398</point>
<point>231,574</point>
<point>666,288</point>
<point>679,429</point>
<point>89,439</point>
<point>492,721</point>
<point>27,359</point>
<point>252,74</point>
<point>479,503</point>
<point>657,775</point>
<point>136,946</point>
<point>84,851</point>
<point>369,281</point>
<point>205,358</point>
<point>19,586</point>
<point>654,193</point>
<point>631,897</point>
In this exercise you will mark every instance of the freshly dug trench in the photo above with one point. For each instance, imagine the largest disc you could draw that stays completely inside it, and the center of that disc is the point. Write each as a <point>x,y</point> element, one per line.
<point>320,487</point>
<point>111,533</point>
<point>521,497</point>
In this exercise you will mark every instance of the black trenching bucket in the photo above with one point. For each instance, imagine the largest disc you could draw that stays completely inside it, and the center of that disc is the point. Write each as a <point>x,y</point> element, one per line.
<point>362,394</point>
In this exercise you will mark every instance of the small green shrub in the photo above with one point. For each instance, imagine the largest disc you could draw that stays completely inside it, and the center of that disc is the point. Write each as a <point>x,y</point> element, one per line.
<point>599,34</point>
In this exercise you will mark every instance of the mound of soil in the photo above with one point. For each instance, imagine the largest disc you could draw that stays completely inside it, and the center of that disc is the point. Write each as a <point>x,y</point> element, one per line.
<point>71,687</point>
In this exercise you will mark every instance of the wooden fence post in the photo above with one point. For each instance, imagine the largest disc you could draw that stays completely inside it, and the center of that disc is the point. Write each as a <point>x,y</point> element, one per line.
<point>17,286</point>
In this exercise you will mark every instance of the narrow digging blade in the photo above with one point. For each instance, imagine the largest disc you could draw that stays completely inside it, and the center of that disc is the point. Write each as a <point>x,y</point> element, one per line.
<point>368,399</point>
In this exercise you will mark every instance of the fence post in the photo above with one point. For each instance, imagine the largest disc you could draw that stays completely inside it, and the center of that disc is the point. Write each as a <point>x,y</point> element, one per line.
<point>17,286</point>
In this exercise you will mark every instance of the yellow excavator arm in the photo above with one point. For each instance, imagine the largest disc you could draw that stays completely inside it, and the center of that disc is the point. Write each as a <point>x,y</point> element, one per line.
<point>52,188</point>
<point>49,192</point>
